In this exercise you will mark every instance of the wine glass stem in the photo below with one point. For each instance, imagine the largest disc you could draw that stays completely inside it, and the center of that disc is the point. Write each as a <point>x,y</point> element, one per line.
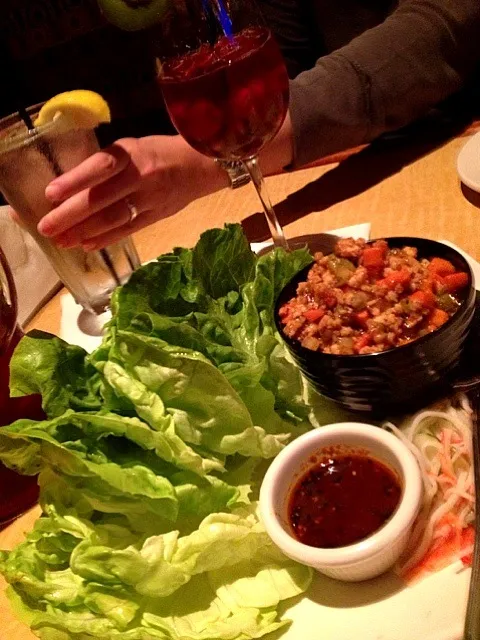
<point>276,229</point>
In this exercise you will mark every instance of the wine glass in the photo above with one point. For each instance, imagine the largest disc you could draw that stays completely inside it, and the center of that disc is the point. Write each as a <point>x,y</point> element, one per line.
<point>17,493</point>
<point>225,84</point>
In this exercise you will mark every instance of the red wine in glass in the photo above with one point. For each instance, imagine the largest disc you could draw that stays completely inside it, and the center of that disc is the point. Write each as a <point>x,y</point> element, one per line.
<point>229,99</point>
<point>226,89</point>
<point>17,493</point>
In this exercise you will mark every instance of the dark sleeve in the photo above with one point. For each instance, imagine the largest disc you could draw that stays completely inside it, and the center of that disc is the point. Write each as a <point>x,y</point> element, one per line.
<point>290,22</point>
<point>386,77</point>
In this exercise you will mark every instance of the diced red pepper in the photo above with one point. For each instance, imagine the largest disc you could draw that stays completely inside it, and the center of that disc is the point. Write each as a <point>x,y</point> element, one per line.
<point>441,266</point>
<point>455,281</point>
<point>425,298</point>
<point>437,318</point>
<point>373,257</point>
<point>362,341</point>
<point>401,277</point>
<point>313,315</point>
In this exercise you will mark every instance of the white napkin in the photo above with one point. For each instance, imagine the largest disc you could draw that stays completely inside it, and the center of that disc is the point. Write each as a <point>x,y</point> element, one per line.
<point>73,320</point>
<point>35,279</point>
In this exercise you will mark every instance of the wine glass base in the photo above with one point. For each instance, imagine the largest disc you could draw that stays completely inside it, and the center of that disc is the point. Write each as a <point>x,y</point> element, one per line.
<point>91,324</point>
<point>324,242</point>
<point>80,327</point>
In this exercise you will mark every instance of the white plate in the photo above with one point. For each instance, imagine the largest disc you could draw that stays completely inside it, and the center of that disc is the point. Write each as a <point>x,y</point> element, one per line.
<point>383,609</point>
<point>468,163</point>
<point>380,609</point>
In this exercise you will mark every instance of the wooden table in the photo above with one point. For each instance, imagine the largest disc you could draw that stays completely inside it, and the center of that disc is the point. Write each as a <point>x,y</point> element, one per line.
<point>402,188</point>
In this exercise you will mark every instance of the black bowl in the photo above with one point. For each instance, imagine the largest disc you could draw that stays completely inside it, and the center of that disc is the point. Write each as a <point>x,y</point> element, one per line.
<point>401,378</point>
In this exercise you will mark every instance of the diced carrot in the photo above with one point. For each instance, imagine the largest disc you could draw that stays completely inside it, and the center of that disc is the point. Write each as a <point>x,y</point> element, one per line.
<point>425,298</point>
<point>437,318</point>
<point>362,341</point>
<point>373,257</point>
<point>456,281</point>
<point>401,277</point>
<point>361,317</point>
<point>441,266</point>
<point>313,315</point>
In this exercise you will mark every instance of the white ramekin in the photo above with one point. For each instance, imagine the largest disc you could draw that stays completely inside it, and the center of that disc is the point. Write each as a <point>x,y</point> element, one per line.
<point>369,557</point>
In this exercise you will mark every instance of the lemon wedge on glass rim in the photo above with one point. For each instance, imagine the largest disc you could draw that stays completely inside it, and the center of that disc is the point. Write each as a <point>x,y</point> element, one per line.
<point>78,109</point>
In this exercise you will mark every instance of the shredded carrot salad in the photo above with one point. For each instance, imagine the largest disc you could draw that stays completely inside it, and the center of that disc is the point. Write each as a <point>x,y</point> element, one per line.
<point>441,440</point>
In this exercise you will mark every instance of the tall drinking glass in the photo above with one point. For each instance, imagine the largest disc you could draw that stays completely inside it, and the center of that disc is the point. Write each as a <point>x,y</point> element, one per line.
<point>224,83</point>
<point>17,493</point>
<point>29,160</point>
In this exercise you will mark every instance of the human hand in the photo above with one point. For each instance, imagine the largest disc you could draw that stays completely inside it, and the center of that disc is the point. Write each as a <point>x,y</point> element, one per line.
<point>159,175</point>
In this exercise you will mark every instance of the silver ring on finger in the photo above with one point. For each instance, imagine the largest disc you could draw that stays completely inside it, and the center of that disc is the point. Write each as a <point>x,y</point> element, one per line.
<point>132,209</point>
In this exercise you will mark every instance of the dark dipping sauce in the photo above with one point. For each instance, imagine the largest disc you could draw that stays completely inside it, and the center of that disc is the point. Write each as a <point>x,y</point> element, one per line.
<point>342,500</point>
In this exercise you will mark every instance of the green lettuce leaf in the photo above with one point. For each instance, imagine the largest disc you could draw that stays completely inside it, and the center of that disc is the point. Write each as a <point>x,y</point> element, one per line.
<point>222,581</point>
<point>112,464</point>
<point>164,381</point>
<point>152,456</point>
<point>45,364</point>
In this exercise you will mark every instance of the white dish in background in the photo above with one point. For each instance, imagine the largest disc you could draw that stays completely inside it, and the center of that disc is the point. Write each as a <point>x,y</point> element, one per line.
<point>468,163</point>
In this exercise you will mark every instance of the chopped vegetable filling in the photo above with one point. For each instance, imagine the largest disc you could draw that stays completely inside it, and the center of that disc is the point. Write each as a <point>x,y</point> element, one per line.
<point>369,298</point>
